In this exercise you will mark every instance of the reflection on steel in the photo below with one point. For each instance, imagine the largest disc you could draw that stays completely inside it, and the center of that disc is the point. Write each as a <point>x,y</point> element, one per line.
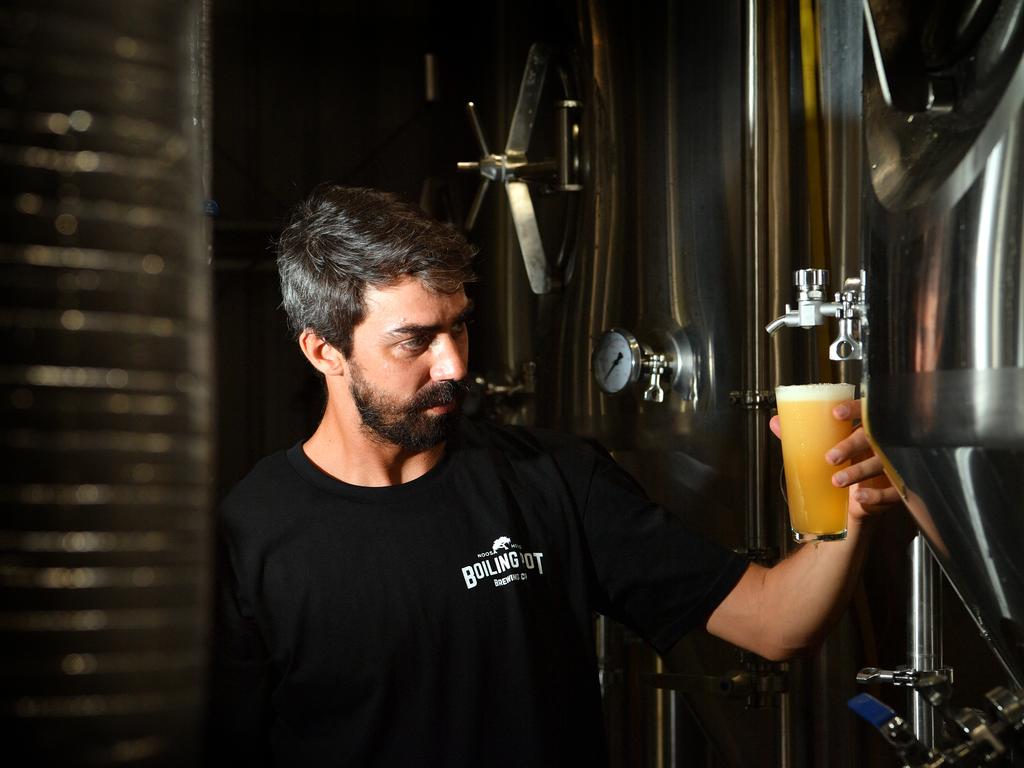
<point>104,383</point>
<point>921,94</point>
<point>946,347</point>
<point>931,159</point>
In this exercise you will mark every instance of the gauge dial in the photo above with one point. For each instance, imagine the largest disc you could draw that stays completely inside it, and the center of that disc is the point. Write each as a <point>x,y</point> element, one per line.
<point>616,361</point>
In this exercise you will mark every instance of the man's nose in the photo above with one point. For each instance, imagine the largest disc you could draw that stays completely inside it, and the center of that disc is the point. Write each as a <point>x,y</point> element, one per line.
<point>449,359</point>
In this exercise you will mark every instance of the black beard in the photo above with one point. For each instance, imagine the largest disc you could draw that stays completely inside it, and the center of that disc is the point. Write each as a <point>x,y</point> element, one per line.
<point>406,424</point>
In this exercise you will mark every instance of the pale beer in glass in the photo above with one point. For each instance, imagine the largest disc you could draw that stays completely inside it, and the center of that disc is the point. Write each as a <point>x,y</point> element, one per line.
<point>817,509</point>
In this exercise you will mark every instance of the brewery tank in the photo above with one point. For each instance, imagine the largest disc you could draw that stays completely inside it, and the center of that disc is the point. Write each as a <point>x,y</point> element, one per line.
<point>945,347</point>
<point>689,228</point>
<point>664,249</point>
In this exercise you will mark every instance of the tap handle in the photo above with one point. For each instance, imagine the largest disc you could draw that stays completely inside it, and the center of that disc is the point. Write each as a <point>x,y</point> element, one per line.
<point>845,347</point>
<point>654,366</point>
<point>811,279</point>
<point>898,676</point>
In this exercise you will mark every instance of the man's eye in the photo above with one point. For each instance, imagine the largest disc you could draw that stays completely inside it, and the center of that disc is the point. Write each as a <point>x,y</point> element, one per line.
<point>416,343</point>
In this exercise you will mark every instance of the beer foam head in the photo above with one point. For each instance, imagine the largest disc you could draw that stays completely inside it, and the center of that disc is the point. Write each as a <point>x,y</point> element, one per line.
<point>805,392</point>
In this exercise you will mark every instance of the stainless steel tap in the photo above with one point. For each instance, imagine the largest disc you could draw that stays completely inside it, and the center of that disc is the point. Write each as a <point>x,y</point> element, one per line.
<point>850,308</point>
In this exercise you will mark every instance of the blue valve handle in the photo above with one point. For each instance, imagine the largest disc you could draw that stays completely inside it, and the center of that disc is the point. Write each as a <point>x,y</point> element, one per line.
<point>871,709</point>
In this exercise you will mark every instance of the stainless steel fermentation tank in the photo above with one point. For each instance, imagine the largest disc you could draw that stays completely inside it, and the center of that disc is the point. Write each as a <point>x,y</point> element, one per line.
<point>946,345</point>
<point>686,238</point>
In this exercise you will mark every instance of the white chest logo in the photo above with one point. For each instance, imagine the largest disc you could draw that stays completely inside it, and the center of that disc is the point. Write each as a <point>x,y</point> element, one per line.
<point>511,565</point>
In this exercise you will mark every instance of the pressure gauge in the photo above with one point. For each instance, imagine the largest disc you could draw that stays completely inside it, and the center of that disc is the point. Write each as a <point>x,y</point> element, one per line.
<point>617,361</point>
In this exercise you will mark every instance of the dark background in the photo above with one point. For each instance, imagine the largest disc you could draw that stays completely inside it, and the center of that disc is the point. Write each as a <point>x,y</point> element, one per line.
<point>306,92</point>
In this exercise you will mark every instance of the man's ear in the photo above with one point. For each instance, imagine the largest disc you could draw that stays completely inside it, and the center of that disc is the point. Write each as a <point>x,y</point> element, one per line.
<point>321,355</point>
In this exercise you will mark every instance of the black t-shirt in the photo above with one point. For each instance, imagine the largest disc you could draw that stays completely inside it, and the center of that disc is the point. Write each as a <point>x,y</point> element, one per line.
<point>446,621</point>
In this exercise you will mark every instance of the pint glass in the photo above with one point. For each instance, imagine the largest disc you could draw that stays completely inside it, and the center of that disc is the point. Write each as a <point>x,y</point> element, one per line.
<point>817,509</point>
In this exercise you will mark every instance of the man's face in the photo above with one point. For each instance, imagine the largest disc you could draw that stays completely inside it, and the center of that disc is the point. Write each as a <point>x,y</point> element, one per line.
<point>408,360</point>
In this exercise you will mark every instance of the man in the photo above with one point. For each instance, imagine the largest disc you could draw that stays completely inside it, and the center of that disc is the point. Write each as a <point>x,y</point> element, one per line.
<point>410,588</point>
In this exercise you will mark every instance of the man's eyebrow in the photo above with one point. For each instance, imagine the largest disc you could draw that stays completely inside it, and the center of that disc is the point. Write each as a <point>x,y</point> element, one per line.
<point>416,330</point>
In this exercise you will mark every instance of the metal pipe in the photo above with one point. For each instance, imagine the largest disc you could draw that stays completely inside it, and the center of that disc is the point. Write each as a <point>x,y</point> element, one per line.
<point>779,269</point>
<point>430,77</point>
<point>924,633</point>
<point>756,239</point>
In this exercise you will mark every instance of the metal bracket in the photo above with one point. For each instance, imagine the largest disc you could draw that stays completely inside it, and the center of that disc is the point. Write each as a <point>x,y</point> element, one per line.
<point>753,399</point>
<point>759,682</point>
<point>495,399</point>
<point>901,676</point>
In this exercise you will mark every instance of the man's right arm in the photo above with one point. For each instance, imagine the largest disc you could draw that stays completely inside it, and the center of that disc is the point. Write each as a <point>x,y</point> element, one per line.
<point>240,683</point>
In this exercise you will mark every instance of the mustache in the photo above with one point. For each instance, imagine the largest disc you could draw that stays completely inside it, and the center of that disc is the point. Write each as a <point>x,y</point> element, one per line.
<point>441,393</point>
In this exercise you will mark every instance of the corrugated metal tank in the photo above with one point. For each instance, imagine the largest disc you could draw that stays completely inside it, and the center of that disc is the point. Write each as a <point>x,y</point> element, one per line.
<point>105,381</point>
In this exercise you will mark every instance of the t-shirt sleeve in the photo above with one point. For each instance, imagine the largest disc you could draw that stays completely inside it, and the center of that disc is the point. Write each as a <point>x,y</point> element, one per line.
<point>241,717</point>
<point>652,572</point>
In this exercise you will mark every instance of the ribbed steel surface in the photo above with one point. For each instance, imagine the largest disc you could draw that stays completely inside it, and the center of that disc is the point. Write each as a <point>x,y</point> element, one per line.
<point>104,386</point>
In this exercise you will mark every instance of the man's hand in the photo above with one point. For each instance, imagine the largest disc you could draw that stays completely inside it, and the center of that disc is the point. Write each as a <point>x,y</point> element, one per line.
<point>781,611</point>
<point>870,490</point>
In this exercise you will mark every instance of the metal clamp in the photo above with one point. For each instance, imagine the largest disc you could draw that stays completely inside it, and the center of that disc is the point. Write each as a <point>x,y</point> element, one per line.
<point>759,682</point>
<point>501,399</point>
<point>753,399</point>
<point>901,676</point>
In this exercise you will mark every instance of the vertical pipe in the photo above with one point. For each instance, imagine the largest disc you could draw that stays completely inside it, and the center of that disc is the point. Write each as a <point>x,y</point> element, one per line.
<point>760,73</point>
<point>781,255</point>
<point>755,191</point>
<point>780,268</point>
<point>429,77</point>
<point>672,747</point>
<point>661,727</point>
<point>924,635</point>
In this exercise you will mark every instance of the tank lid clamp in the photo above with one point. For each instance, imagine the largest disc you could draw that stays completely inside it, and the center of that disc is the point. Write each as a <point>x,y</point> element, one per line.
<point>753,399</point>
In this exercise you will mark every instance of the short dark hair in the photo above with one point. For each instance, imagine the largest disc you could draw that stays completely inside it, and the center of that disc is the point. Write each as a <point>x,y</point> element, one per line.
<point>342,239</point>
